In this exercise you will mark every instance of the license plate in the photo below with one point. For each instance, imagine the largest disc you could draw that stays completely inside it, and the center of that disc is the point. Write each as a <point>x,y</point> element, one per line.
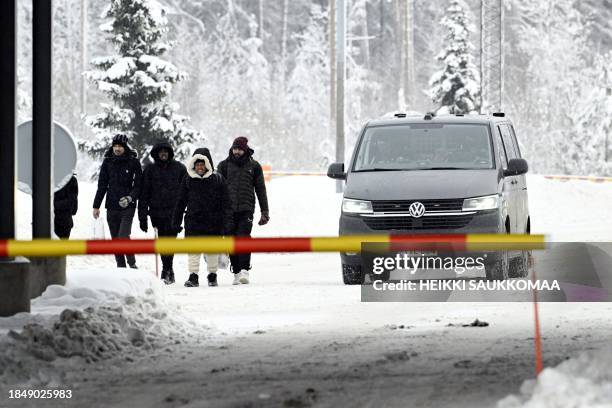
<point>418,253</point>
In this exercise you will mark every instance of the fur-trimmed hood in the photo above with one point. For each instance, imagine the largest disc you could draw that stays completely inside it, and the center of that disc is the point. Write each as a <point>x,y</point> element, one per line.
<point>200,154</point>
<point>162,145</point>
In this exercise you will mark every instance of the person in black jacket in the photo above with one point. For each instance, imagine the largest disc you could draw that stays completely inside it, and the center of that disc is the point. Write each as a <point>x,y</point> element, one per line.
<point>65,205</point>
<point>120,178</point>
<point>245,179</point>
<point>161,184</point>
<point>204,193</point>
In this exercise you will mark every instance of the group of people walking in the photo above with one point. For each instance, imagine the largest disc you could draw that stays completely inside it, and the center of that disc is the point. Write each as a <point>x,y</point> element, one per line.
<point>212,202</point>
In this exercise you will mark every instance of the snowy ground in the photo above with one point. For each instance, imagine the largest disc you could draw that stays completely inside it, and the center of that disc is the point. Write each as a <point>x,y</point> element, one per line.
<point>297,337</point>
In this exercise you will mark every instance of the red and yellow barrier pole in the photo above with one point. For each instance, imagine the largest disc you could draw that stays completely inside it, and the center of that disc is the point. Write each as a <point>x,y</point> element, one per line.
<point>565,178</point>
<point>237,245</point>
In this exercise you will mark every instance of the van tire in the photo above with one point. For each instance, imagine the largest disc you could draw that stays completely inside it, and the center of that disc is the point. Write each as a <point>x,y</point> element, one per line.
<point>519,266</point>
<point>352,275</point>
<point>500,269</point>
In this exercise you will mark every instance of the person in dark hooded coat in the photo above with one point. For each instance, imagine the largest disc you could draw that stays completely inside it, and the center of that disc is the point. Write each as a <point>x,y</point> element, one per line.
<point>245,179</point>
<point>161,184</point>
<point>65,205</point>
<point>205,196</point>
<point>119,180</point>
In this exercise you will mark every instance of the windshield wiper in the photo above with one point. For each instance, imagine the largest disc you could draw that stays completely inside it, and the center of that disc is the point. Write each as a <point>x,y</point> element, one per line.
<point>378,169</point>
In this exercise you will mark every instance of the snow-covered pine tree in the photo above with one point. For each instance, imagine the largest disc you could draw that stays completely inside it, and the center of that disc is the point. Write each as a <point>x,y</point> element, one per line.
<point>456,88</point>
<point>138,82</point>
<point>24,100</point>
<point>238,86</point>
<point>586,141</point>
<point>308,90</point>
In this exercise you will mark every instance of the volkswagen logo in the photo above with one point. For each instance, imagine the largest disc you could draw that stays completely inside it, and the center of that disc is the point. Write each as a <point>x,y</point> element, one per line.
<point>416,209</point>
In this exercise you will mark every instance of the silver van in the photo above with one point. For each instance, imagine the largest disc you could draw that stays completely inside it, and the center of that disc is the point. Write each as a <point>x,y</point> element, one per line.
<point>436,174</point>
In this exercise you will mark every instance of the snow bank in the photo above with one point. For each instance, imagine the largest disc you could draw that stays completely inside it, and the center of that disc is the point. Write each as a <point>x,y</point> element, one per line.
<point>99,315</point>
<point>585,381</point>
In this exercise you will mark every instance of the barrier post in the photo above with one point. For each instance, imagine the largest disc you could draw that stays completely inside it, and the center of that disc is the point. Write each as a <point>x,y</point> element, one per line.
<point>156,256</point>
<point>266,170</point>
<point>14,271</point>
<point>537,338</point>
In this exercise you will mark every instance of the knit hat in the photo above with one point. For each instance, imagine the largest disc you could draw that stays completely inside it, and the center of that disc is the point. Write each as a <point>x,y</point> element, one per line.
<point>242,143</point>
<point>121,140</point>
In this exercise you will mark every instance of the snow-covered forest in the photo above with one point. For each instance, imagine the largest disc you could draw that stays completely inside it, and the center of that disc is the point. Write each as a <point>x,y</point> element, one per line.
<point>261,68</point>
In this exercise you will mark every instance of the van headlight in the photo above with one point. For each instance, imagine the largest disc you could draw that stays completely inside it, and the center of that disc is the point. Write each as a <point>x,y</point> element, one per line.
<point>356,206</point>
<point>489,202</point>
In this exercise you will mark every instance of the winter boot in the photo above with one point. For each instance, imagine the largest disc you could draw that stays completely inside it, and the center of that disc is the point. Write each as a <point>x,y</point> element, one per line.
<point>170,277</point>
<point>133,266</point>
<point>193,281</point>
<point>212,279</point>
<point>236,279</point>
<point>244,277</point>
<point>167,277</point>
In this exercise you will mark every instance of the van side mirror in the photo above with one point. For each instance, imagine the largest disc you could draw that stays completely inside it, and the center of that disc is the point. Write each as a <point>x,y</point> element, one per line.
<point>336,171</point>
<point>516,167</point>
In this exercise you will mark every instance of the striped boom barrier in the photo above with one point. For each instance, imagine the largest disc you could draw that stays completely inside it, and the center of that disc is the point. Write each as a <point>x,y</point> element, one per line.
<point>594,179</point>
<point>582,178</point>
<point>294,173</point>
<point>237,245</point>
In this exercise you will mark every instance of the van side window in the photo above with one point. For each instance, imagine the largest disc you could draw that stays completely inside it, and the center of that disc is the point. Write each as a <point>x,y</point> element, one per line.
<point>514,139</point>
<point>502,150</point>
<point>508,143</point>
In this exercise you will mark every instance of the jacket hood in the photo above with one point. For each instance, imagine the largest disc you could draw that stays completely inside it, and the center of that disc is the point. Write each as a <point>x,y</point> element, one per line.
<point>129,153</point>
<point>162,145</point>
<point>205,152</point>
<point>200,154</point>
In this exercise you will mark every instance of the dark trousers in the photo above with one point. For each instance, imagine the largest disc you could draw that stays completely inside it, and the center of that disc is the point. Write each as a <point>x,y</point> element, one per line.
<point>243,224</point>
<point>62,225</point>
<point>120,226</point>
<point>164,229</point>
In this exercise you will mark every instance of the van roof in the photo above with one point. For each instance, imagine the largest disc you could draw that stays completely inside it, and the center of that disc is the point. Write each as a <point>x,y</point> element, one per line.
<point>412,118</point>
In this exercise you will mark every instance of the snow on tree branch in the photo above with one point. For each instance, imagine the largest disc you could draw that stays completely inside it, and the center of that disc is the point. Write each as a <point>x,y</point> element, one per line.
<point>138,81</point>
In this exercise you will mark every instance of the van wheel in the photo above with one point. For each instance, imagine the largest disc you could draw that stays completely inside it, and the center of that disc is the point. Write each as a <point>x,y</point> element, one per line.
<point>498,270</point>
<point>519,266</point>
<point>384,276</point>
<point>352,275</point>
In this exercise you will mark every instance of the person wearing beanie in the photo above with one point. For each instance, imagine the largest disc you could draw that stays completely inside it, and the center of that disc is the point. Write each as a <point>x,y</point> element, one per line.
<point>161,183</point>
<point>204,195</point>
<point>245,180</point>
<point>119,180</point>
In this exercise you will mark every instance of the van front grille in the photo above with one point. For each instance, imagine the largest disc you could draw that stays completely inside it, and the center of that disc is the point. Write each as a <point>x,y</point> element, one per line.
<point>423,223</point>
<point>453,204</point>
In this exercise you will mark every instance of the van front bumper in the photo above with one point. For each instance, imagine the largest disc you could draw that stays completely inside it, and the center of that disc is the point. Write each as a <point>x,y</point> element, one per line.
<point>482,222</point>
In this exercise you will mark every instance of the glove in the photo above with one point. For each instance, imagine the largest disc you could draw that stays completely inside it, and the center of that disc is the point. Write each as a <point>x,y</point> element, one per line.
<point>125,201</point>
<point>144,225</point>
<point>265,217</point>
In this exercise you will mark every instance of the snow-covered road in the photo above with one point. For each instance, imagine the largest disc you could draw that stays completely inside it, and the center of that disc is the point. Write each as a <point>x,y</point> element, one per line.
<point>296,336</point>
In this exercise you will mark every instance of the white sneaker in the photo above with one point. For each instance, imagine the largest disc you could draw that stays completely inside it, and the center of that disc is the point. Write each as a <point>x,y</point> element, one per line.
<point>237,278</point>
<point>244,277</point>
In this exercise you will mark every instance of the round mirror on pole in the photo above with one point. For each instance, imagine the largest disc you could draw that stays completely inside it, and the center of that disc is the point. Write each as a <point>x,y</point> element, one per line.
<point>64,156</point>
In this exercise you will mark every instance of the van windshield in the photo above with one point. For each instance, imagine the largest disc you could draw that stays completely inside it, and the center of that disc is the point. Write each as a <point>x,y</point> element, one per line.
<point>419,146</point>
